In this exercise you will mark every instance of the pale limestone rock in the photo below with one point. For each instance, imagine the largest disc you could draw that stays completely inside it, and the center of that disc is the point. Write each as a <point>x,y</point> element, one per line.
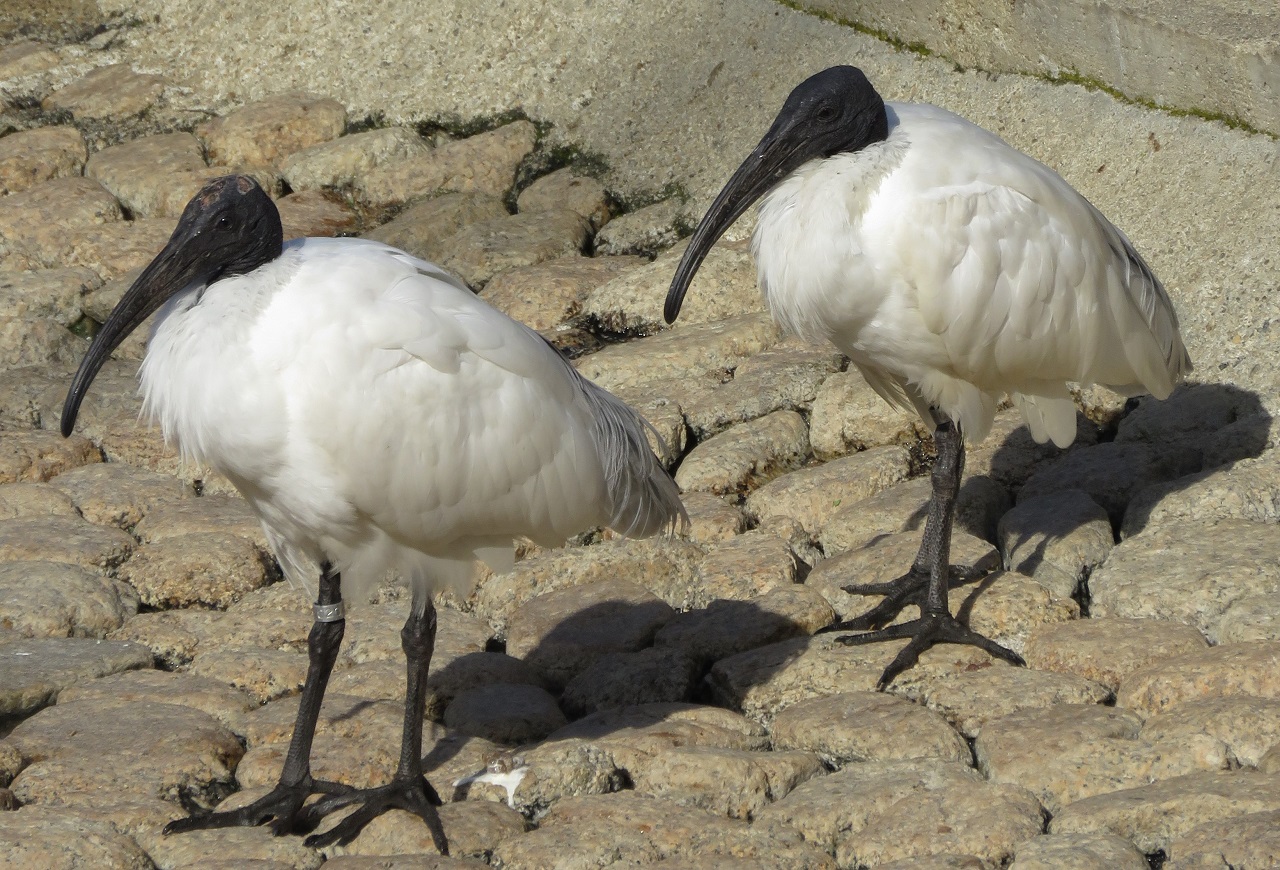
<point>265,132</point>
<point>425,229</point>
<point>686,352</point>
<point>30,157</point>
<point>850,727</point>
<point>52,599</point>
<point>547,294</point>
<point>848,416</point>
<point>109,91</point>
<point>743,456</point>
<point>1189,571</point>
<point>1220,671</point>
<point>1107,650</point>
<point>338,162</point>
<point>565,189</point>
<point>812,495</point>
<point>485,163</point>
<point>39,455</point>
<point>725,286</point>
<point>479,251</point>
<point>1153,816</point>
<point>1067,752</point>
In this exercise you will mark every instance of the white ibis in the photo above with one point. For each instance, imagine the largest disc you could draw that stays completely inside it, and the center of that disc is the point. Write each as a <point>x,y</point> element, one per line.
<point>951,269</point>
<point>377,416</point>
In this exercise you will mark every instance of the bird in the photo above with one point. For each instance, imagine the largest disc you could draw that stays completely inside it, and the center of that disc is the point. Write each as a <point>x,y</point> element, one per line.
<point>952,270</point>
<point>377,416</point>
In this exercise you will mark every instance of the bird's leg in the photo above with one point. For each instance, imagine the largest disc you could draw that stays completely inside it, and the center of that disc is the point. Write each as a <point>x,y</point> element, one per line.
<point>408,789</point>
<point>282,804</point>
<point>912,587</point>
<point>935,623</point>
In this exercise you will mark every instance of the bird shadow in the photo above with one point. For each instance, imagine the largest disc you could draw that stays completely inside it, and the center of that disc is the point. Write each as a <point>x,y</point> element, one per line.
<point>1214,425</point>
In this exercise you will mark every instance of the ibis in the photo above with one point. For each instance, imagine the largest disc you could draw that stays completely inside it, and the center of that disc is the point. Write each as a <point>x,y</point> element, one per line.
<point>952,270</point>
<point>378,417</point>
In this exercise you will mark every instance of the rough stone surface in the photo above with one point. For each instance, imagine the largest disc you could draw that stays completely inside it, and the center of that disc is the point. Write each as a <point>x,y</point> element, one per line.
<point>746,455</point>
<point>317,213</point>
<point>479,251</point>
<point>114,493</point>
<point>580,833</point>
<point>865,726</point>
<point>1066,530</point>
<point>1107,650</point>
<point>143,173</point>
<point>848,415</point>
<point>745,566</point>
<point>1067,752</point>
<point>38,456</point>
<point>565,189</point>
<point>1078,852</point>
<point>210,568</point>
<point>113,90</point>
<point>562,633</point>
<point>505,713</point>
<point>904,506</point>
<point>725,286</point>
<point>1230,669</point>
<point>1248,840</point>
<point>812,495</point>
<point>970,699</point>
<point>1151,816</point>
<point>59,839</point>
<point>1187,571</point>
<point>337,163</point>
<point>29,157</point>
<point>647,230</point>
<point>484,163</point>
<point>36,670</point>
<point>264,132</point>
<point>728,627</point>
<point>881,811</point>
<point>547,294</point>
<point>66,539</point>
<point>1111,473</point>
<point>647,676</point>
<point>52,599</point>
<point>424,229</point>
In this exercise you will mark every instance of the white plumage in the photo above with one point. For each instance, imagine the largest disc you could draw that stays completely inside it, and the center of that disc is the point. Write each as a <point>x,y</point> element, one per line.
<point>378,415</point>
<point>951,269</point>
<point>944,262</point>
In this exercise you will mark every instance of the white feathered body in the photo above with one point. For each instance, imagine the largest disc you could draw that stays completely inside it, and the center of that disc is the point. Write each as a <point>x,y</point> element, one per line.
<point>379,416</point>
<point>952,269</point>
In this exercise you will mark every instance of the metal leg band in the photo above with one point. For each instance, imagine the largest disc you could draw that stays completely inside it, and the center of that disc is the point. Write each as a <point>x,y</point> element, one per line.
<point>330,612</point>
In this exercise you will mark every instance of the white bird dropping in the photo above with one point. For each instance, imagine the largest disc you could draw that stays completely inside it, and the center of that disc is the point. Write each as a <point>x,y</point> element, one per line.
<point>377,416</point>
<point>951,269</point>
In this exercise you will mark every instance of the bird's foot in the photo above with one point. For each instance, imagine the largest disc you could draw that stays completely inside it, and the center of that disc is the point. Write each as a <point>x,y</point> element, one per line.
<point>925,632</point>
<point>282,806</point>
<point>908,589</point>
<point>410,793</point>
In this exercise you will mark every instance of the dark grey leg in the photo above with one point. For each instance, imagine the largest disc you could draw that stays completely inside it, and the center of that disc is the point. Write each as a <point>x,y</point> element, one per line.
<point>408,789</point>
<point>935,624</point>
<point>282,804</point>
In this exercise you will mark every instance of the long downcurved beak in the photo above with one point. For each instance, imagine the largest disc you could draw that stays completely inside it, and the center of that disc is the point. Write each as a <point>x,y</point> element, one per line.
<point>168,273</point>
<point>775,156</point>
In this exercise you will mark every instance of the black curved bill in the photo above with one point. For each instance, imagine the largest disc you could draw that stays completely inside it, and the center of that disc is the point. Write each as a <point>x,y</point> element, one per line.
<point>166,273</point>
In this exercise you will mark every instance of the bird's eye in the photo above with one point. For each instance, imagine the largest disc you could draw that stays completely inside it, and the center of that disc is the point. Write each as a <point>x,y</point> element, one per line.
<point>826,113</point>
<point>224,223</point>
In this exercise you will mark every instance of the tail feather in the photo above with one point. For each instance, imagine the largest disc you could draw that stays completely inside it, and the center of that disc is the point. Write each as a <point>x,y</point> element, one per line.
<point>644,498</point>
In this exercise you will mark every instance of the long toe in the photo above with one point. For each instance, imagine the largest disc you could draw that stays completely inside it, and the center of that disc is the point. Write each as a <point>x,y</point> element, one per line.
<point>926,632</point>
<point>417,797</point>
<point>280,806</point>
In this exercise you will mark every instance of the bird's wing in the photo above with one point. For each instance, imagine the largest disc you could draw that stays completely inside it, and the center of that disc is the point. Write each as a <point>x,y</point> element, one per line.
<point>1025,282</point>
<point>471,427</point>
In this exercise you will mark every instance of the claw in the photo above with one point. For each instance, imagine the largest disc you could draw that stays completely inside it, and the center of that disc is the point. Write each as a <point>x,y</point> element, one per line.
<point>925,632</point>
<point>402,793</point>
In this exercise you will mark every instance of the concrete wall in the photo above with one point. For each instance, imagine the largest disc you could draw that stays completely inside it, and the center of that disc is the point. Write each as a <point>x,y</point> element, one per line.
<point>1220,57</point>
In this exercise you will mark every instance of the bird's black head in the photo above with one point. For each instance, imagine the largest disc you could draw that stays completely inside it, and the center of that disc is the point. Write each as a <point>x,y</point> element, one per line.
<point>230,227</point>
<point>834,111</point>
